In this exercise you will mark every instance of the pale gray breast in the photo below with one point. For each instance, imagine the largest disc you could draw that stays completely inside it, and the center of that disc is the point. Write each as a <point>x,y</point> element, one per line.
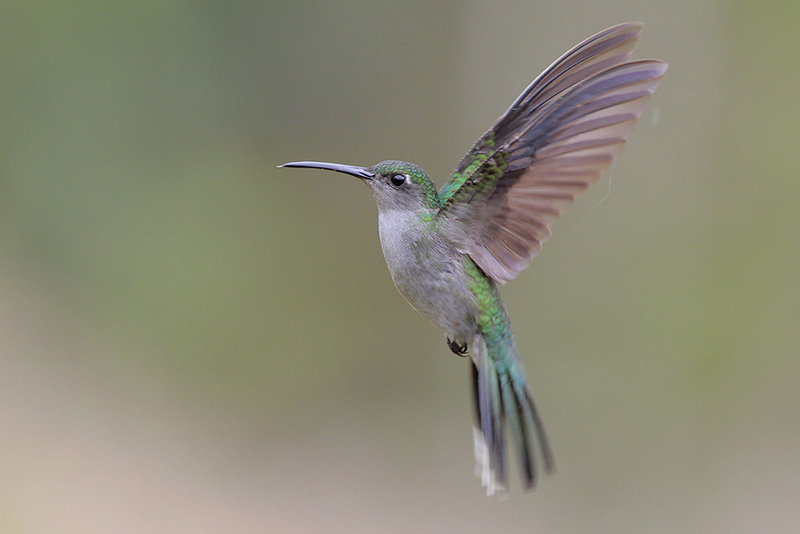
<point>428,272</point>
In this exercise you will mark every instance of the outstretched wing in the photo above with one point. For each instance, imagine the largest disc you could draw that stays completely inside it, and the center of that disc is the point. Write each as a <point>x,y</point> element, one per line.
<point>556,139</point>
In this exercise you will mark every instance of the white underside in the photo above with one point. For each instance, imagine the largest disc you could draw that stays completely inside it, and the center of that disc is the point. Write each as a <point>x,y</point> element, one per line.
<point>483,469</point>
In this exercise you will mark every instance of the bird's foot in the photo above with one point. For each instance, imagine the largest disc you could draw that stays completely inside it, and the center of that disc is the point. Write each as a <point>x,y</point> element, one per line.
<point>461,350</point>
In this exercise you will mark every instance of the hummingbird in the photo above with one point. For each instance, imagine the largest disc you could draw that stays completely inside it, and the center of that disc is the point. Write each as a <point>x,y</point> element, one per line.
<point>448,251</point>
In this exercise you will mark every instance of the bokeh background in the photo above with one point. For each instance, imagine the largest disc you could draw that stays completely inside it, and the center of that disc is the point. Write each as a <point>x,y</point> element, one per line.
<point>192,340</point>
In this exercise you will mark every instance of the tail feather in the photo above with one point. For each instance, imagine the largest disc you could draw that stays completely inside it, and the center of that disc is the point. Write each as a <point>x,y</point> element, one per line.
<point>501,395</point>
<point>489,444</point>
<point>533,417</point>
<point>512,408</point>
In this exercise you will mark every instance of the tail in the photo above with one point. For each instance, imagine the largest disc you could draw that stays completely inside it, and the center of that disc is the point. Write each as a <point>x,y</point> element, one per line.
<point>502,395</point>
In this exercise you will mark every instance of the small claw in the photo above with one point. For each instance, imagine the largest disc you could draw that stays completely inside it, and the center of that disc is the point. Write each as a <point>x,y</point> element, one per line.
<point>461,350</point>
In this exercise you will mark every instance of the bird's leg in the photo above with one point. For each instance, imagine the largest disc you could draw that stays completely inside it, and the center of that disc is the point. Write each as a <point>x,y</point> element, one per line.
<point>461,350</point>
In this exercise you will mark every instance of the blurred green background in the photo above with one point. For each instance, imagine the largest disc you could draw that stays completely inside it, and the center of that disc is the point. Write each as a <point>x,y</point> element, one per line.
<point>196,341</point>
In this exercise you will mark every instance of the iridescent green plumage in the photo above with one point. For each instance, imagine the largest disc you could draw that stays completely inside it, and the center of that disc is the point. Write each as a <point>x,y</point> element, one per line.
<point>469,167</point>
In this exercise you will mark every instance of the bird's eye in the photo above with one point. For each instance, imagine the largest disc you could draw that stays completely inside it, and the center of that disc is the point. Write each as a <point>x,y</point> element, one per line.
<point>397,180</point>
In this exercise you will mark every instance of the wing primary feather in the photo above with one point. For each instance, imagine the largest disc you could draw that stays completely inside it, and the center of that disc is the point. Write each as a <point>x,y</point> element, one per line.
<point>575,56</point>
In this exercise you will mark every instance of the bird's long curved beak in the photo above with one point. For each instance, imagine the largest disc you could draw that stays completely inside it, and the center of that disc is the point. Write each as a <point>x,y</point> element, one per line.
<point>352,170</point>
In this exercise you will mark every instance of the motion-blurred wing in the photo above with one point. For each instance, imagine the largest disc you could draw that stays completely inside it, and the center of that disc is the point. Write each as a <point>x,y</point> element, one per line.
<point>557,138</point>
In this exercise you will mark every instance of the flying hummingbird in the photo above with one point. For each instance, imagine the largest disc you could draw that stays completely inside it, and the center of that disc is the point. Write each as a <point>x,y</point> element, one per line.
<point>448,251</point>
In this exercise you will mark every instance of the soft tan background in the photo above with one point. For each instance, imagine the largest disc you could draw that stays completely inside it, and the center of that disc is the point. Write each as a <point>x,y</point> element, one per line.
<point>196,341</point>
